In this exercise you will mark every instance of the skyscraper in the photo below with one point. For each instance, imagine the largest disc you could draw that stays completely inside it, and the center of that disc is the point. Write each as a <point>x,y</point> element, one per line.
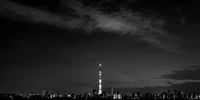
<point>100,80</point>
<point>111,90</point>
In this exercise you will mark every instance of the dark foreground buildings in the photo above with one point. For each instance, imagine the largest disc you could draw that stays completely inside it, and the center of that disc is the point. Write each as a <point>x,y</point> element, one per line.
<point>105,95</point>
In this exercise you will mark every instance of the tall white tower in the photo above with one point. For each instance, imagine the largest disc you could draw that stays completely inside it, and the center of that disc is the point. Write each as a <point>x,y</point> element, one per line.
<point>100,80</point>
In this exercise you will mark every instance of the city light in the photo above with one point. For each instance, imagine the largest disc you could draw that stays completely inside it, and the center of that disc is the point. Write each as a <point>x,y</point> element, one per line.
<point>103,93</point>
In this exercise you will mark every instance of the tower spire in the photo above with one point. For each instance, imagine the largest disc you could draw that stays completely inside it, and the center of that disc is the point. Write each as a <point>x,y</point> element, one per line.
<point>100,80</point>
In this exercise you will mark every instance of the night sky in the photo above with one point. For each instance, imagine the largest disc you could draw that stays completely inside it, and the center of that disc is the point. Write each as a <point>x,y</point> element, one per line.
<point>143,46</point>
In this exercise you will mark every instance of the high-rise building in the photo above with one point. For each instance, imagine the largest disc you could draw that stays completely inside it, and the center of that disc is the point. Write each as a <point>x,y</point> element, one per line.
<point>111,90</point>
<point>46,93</point>
<point>94,91</point>
<point>100,80</point>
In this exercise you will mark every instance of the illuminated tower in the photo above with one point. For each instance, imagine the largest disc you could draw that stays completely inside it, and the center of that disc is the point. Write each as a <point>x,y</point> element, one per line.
<point>100,80</point>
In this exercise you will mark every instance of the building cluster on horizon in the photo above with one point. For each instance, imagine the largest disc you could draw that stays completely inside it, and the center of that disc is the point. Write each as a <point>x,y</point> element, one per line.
<point>102,94</point>
<point>109,94</point>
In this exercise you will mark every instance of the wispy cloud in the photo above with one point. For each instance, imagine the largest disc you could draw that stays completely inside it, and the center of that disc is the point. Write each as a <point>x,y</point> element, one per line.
<point>190,73</point>
<point>123,22</point>
<point>185,87</point>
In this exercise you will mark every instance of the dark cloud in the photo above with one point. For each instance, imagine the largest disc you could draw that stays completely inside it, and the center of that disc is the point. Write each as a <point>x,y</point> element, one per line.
<point>83,84</point>
<point>112,83</point>
<point>79,16</point>
<point>190,73</point>
<point>185,87</point>
<point>94,85</point>
<point>129,73</point>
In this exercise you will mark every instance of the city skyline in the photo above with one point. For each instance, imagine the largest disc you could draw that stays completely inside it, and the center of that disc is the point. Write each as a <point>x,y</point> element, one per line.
<point>58,45</point>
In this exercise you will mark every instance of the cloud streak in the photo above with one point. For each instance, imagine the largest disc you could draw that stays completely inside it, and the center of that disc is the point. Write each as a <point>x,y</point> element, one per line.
<point>190,73</point>
<point>185,87</point>
<point>123,22</point>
